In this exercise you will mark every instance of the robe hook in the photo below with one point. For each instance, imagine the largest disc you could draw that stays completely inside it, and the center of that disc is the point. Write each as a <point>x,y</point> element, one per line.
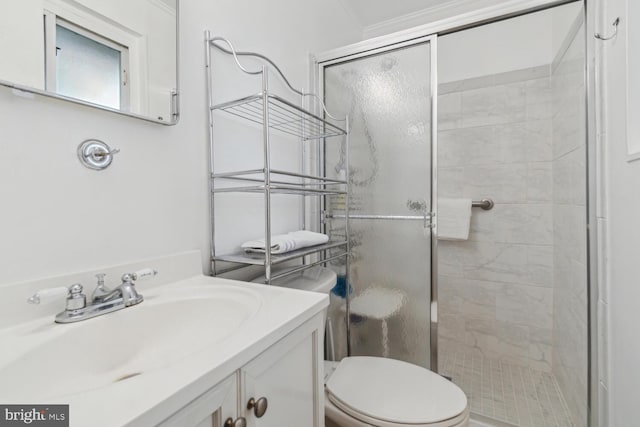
<point>615,24</point>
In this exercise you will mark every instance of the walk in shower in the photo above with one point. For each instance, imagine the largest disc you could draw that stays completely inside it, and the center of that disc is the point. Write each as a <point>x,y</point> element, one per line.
<point>492,112</point>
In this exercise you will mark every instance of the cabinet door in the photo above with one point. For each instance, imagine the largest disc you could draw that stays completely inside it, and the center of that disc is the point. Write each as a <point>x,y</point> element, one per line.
<point>211,409</point>
<point>289,377</point>
<point>228,408</point>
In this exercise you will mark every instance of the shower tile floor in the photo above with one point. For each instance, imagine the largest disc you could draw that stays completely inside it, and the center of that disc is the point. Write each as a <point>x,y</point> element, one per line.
<point>506,392</point>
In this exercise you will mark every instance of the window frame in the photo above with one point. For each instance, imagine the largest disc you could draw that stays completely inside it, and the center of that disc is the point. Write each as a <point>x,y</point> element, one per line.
<point>51,23</point>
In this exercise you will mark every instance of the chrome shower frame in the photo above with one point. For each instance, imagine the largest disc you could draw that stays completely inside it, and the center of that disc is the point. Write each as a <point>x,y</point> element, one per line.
<point>478,18</point>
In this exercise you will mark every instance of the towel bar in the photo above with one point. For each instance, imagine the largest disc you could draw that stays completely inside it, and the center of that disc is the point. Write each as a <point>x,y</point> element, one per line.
<point>484,204</point>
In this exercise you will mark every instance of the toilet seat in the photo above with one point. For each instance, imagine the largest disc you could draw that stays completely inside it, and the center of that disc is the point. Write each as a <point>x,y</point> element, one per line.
<point>387,392</point>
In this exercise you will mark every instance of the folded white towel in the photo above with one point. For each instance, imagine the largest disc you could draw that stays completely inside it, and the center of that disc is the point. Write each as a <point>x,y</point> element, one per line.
<point>454,219</point>
<point>284,243</point>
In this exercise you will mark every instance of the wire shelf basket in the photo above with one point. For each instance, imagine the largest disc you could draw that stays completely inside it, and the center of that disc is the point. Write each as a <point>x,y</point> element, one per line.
<point>284,116</point>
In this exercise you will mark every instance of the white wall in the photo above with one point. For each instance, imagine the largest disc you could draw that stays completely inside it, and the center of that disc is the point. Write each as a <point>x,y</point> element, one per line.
<point>563,19</point>
<point>496,48</point>
<point>493,49</point>
<point>59,217</point>
<point>622,292</point>
<point>25,20</point>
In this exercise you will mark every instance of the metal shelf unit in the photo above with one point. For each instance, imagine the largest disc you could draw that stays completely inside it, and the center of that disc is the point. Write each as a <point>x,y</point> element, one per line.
<point>259,259</point>
<point>274,113</point>
<point>300,184</point>
<point>283,116</point>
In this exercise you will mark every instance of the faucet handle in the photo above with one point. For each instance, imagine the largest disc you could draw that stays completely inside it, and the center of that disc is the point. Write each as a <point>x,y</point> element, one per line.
<point>100,277</point>
<point>145,273</point>
<point>46,296</point>
<point>75,297</point>
<point>100,289</point>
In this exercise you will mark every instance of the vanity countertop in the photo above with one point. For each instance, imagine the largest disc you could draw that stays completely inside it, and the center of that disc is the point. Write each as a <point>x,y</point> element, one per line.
<point>147,397</point>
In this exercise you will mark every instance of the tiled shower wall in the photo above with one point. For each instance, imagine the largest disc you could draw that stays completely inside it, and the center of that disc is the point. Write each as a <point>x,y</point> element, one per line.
<point>517,289</point>
<point>570,330</point>
<point>496,290</point>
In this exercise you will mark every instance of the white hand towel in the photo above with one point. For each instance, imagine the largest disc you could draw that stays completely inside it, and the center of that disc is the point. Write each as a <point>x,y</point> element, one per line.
<point>284,243</point>
<point>454,219</point>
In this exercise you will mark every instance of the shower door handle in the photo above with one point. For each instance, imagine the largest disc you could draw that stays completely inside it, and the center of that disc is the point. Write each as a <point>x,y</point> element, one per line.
<point>427,218</point>
<point>427,215</point>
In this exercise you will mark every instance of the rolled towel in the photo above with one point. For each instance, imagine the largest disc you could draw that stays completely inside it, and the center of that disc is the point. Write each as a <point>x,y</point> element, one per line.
<point>284,243</point>
<point>454,219</point>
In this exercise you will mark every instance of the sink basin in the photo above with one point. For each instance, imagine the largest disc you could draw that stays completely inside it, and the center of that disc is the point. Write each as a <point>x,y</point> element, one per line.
<point>167,327</point>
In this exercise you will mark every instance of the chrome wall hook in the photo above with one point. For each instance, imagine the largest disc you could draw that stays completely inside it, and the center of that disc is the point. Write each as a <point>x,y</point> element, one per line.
<point>96,154</point>
<point>615,24</point>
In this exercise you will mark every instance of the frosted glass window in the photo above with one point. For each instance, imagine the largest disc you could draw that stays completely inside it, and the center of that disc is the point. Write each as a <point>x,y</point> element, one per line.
<point>86,69</point>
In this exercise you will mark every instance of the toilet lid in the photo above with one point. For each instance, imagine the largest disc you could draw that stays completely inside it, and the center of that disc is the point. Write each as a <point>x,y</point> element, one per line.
<point>394,391</point>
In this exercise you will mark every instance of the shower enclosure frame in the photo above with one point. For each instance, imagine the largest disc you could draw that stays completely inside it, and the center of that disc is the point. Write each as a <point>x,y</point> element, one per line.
<point>431,40</point>
<point>430,33</point>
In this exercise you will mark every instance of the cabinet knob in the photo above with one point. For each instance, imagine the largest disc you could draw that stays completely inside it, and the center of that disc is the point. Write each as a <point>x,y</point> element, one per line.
<point>239,422</point>
<point>259,406</point>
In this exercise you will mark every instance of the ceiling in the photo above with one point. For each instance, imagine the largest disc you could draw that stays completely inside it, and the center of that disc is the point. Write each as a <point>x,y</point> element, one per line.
<point>369,12</point>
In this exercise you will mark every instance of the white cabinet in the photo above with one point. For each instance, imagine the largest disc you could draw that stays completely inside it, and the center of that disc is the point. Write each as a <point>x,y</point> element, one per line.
<point>227,410</point>
<point>286,376</point>
<point>207,409</point>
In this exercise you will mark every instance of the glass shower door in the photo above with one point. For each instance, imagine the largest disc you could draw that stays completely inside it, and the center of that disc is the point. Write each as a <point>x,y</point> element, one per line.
<point>388,99</point>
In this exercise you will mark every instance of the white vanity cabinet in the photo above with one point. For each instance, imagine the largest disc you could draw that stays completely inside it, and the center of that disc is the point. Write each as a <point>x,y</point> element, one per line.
<point>209,409</point>
<point>287,376</point>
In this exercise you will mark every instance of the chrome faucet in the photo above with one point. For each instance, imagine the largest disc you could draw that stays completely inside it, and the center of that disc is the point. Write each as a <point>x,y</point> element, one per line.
<point>103,300</point>
<point>126,291</point>
<point>101,290</point>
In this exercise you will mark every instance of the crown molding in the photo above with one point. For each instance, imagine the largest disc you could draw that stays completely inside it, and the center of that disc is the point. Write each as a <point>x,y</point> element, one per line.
<point>163,6</point>
<point>415,18</point>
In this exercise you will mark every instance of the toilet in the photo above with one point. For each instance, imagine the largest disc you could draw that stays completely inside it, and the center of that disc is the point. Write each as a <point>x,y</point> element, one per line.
<point>376,391</point>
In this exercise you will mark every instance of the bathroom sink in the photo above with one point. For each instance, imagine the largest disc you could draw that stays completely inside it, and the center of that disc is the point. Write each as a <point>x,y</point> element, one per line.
<point>167,327</point>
